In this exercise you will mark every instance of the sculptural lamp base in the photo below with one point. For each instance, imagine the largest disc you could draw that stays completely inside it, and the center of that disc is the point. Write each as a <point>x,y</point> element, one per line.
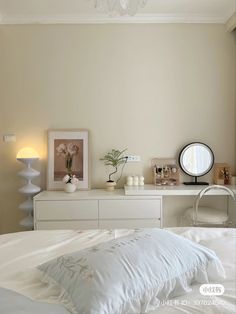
<point>29,189</point>
<point>27,222</point>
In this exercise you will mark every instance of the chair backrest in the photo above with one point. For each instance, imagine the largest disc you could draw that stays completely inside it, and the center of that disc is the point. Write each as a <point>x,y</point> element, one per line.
<point>204,191</point>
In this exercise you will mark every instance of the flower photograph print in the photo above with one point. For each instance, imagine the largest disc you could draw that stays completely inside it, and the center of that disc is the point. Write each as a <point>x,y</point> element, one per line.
<point>67,157</point>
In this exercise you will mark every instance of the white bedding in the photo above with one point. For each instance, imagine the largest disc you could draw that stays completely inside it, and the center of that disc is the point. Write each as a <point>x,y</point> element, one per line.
<point>21,252</point>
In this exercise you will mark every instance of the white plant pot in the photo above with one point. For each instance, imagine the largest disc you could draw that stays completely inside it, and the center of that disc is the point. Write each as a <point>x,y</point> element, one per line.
<point>110,186</point>
<point>69,188</point>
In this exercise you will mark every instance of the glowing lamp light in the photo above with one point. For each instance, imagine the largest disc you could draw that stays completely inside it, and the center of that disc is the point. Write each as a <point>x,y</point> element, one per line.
<point>27,153</point>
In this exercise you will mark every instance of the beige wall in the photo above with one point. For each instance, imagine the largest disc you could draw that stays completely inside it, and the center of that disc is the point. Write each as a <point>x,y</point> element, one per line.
<point>150,88</point>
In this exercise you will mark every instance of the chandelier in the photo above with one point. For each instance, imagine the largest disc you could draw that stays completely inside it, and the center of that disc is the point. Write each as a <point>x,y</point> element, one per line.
<point>122,7</point>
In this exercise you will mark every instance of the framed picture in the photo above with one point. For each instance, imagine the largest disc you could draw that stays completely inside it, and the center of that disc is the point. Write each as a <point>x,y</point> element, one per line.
<point>68,153</point>
<point>222,174</point>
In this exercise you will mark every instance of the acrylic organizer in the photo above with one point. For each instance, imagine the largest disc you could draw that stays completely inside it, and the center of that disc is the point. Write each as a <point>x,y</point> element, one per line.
<point>165,171</point>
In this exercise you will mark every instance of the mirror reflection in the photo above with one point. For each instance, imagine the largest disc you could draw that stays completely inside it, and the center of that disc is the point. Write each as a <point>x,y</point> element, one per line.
<point>197,160</point>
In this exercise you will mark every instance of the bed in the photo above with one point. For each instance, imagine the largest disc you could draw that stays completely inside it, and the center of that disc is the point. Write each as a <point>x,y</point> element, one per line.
<point>21,253</point>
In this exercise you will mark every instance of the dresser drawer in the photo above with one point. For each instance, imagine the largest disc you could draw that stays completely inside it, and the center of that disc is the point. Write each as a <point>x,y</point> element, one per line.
<point>59,225</point>
<point>128,209</point>
<point>66,210</point>
<point>129,224</point>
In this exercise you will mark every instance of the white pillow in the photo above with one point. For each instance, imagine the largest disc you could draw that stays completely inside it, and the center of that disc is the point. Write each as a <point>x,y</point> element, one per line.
<point>134,273</point>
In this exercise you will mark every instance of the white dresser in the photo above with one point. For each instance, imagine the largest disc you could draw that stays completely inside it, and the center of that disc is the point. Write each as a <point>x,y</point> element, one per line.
<point>96,209</point>
<point>132,207</point>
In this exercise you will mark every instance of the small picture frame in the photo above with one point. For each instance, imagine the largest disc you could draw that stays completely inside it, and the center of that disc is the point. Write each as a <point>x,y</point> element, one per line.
<point>222,174</point>
<point>68,149</point>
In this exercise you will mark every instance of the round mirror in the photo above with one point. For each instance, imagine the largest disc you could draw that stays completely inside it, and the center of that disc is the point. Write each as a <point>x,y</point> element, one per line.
<point>196,159</point>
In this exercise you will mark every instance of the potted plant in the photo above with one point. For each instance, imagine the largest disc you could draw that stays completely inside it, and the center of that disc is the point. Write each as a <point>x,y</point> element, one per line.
<point>115,158</point>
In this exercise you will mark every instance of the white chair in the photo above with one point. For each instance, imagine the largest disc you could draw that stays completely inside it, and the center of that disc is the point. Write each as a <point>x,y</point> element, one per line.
<point>206,216</point>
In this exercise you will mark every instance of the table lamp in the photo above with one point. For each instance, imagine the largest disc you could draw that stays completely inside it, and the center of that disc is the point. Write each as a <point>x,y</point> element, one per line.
<point>27,156</point>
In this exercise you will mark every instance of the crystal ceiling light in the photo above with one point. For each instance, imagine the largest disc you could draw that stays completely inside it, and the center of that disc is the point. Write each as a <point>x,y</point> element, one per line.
<point>122,7</point>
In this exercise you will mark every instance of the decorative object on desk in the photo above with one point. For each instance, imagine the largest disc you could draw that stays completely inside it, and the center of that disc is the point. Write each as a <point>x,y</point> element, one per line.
<point>222,174</point>
<point>27,156</point>
<point>141,180</point>
<point>70,183</point>
<point>68,153</point>
<point>196,159</point>
<point>121,7</point>
<point>129,181</point>
<point>135,181</point>
<point>115,159</point>
<point>110,185</point>
<point>165,171</point>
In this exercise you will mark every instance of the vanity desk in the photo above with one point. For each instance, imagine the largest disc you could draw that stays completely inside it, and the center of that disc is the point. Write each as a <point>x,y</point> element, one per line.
<point>179,190</point>
<point>131,207</point>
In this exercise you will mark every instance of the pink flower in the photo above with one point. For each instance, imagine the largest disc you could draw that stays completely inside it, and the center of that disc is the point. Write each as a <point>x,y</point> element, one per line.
<point>62,149</point>
<point>72,149</point>
<point>74,180</point>
<point>70,179</point>
<point>66,178</point>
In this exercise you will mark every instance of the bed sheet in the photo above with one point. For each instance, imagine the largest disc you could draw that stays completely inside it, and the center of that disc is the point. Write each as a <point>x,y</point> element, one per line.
<point>21,252</point>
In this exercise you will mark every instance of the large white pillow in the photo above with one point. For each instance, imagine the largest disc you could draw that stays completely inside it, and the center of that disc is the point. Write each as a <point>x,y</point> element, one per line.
<point>134,273</point>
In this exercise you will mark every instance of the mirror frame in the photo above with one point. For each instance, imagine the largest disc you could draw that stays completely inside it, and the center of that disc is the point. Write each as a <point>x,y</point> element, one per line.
<point>192,174</point>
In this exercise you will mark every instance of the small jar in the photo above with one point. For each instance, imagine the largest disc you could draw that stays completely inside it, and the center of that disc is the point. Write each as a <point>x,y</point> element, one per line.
<point>136,181</point>
<point>129,181</point>
<point>141,180</point>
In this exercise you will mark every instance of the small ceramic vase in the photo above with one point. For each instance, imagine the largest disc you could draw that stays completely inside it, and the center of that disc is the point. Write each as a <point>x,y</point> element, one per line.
<point>110,185</point>
<point>69,188</point>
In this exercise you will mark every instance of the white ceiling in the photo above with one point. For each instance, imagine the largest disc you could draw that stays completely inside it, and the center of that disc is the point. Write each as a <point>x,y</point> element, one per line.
<point>83,11</point>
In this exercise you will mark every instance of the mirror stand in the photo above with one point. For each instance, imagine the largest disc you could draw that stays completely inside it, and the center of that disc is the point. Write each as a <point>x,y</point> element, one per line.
<point>195,182</point>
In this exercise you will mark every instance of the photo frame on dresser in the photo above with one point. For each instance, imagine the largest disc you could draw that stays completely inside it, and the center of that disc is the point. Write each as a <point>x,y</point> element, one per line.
<point>68,153</point>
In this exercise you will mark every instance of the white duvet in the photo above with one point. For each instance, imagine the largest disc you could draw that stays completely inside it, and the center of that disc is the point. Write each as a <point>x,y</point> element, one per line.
<point>20,253</point>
